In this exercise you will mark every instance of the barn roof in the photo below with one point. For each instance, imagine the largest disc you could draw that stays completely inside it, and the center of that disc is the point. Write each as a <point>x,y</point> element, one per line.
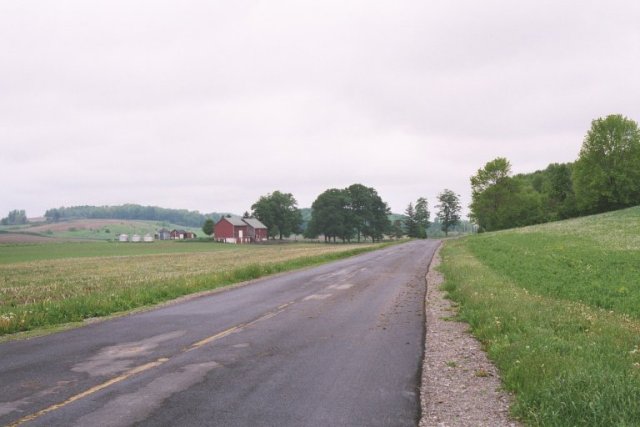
<point>235,220</point>
<point>254,223</point>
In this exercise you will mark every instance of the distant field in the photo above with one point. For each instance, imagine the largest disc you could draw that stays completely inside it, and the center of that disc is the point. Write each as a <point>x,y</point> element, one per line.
<point>88,229</point>
<point>50,284</point>
<point>558,308</point>
<point>13,253</point>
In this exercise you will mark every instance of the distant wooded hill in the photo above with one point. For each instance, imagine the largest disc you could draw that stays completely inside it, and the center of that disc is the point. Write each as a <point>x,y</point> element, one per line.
<point>131,211</point>
<point>183,217</point>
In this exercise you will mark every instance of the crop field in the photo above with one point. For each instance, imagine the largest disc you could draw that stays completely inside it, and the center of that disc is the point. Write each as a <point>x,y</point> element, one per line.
<point>86,229</point>
<point>43,285</point>
<point>557,307</point>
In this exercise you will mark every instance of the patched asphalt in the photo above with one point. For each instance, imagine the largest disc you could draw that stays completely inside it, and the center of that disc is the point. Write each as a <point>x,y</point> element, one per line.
<point>336,345</point>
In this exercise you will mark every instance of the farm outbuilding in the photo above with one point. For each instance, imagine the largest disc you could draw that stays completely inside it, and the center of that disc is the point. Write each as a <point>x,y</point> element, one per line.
<point>233,229</point>
<point>182,235</point>
<point>257,231</point>
<point>163,234</point>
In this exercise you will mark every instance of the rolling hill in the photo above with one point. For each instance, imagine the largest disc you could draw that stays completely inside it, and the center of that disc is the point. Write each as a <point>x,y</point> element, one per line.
<point>85,229</point>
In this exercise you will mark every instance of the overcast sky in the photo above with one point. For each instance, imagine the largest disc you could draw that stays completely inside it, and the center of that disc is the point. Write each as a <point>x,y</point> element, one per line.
<point>207,105</point>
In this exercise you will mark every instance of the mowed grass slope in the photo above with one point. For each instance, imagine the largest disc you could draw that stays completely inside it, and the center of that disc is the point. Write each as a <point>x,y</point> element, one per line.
<point>558,309</point>
<point>76,281</point>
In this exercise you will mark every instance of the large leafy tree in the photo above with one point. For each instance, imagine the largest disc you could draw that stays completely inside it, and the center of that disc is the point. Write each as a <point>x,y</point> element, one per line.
<point>354,211</point>
<point>490,188</point>
<point>500,201</point>
<point>379,224</point>
<point>448,210</point>
<point>279,212</point>
<point>330,216</point>
<point>494,172</point>
<point>368,212</point>
<point>606,175</point>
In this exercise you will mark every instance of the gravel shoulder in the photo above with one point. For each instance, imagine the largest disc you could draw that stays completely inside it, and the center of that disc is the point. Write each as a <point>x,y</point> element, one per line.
<point>460,386</point>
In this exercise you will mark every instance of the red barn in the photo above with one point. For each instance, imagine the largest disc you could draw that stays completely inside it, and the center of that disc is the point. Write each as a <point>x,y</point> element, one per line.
<point>233,229</point>
<point>257,231</point>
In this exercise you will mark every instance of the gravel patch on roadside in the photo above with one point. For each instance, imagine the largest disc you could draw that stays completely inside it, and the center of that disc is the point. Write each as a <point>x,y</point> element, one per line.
<point>460,386</point>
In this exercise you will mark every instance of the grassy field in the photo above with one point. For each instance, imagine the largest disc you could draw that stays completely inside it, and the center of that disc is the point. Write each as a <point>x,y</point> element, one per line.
<point>95,229</point>
<point>51,284</point>
<point>14,253</point>
<point>557,307</point>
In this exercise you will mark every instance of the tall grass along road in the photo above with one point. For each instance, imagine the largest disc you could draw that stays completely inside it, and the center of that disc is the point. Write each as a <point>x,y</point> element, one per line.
<point>558,309</point>
<point>339,344</point>
<point>57,283</point>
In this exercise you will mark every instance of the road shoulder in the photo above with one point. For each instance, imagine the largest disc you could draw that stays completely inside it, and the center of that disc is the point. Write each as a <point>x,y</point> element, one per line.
<point>460,386</point>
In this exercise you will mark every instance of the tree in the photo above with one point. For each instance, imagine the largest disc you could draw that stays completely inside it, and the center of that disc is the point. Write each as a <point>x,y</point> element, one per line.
<point>410,223</point>
<point>330,216</point>
<point>422,215</point>
<point>499,201</point>
<point>448,210</point>
<point>53,215</point>
<point>380,224</point>
<point>491,174</point>
<point>132,211</point>
<point>15,217</point>
<point>279,212</point>
<point>489,192</point>
<point>557,190</point>
<point>208,227</point>
<point>397,229</point>
<point>353,211</point>
<point>368,213</point>
<point>606,175</point>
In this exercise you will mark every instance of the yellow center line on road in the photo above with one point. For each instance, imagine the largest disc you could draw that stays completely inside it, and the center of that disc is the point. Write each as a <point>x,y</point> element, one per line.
<point>212,338</point>
<point>237,328</point>
<point>147,366</point>
<point>90,391</point>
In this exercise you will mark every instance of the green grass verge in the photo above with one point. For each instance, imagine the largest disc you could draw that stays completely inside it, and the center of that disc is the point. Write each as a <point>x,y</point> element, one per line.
<point>557,308</point>
<point>41,294</point>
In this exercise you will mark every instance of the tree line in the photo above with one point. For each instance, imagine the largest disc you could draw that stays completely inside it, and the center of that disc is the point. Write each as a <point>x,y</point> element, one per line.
<point>417,218</point>
<point>605,177</point>
<point>131,212</point>
<point>15,217</point>
<point>351,214</point>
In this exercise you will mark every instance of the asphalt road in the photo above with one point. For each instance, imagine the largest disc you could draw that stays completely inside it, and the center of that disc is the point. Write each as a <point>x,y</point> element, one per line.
<point>336,345</point>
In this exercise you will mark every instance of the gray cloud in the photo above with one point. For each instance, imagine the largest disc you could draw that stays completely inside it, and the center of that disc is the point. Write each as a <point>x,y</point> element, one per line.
<point>208,105</point>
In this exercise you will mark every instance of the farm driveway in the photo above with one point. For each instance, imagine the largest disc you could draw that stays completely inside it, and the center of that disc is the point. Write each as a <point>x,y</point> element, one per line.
<point>337,345</point>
